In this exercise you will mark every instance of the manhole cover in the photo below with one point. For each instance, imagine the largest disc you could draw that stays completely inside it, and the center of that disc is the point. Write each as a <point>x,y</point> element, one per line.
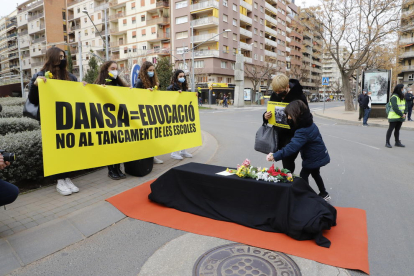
<point>239,259</point>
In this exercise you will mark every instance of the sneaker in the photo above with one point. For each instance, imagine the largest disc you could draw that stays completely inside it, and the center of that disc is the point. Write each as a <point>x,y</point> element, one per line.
<point>184,153</point>
<point>62,188</point>
<point>325,196</point>
<point>176,155</point>
<point>157,161</point>
<point>71,186</point>
<point>365,125</point>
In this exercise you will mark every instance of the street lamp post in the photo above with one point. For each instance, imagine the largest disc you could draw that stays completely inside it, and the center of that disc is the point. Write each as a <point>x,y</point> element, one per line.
<point>192,54</point>
<point>106,32</point>
<point>20,65</point>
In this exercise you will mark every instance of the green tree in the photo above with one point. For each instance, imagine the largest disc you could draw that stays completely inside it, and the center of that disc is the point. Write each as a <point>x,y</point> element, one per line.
<point>70,62</point>
<point>164,70</point>
<point>93,71</point>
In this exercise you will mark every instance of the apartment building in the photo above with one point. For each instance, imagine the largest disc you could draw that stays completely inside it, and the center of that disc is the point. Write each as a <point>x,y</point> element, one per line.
<point>9,58</point>
<point>330,69</point>
<point>311,53</point>
<point>294,61</point>
<point>406,43</point>
<point>258,29</point>
<point>41,24</point>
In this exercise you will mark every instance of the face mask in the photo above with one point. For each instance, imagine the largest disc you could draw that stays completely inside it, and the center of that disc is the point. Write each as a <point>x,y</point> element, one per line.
<point>150,74</point>
<point>283,94</point>
<point>115,73</point>
<point>291,123</point>
<point>62,64</point>
<point>181,80</point>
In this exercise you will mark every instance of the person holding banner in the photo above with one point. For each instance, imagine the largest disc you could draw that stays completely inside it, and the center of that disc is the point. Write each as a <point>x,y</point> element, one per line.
<point>148,79</point>
<point>179,83</point>
<point>55,67</point>
<point>108,75</point>
<point>285,90</point>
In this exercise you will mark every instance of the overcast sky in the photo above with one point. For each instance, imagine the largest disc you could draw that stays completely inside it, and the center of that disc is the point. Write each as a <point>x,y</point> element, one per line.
<point>7,6</point>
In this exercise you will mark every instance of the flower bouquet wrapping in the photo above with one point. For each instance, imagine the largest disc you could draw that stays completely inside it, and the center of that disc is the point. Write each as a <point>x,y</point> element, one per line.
<point>272,174</point>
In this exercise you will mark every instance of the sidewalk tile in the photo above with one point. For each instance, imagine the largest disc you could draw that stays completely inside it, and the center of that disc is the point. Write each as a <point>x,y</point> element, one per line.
<point>8,261</point>
<point>38,242</point>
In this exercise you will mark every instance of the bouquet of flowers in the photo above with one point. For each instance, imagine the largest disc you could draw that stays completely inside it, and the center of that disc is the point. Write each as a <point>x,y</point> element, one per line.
<point>272,174</point>
<point>48,75</point>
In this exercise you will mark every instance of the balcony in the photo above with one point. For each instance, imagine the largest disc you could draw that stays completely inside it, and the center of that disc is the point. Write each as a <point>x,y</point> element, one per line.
<point>246,46</point>
<point>159,51</point>
<point>74,28</point>
<point>101,7</point>
<point>207,53</point>
<point>288,30</point>
<point>204,5</point>
<point>288,49</point>
<point>38,53</point>
<point>246,19</point>
<point>271,20</point>
<point>270,54</point>
<point>407,54</point>
<point>406,40</point>
<point>37,64</point>
<point>307,50</point>
<point>245,32</point>
<point>116,16</point>
<point>161,36</point>
<point>248,60</point>
<point>36,16</point>
<point>270,42</point>
<point>116,3</point>
<point>115,56</point>
<point>26,64</point>
<point>205,22</point>
<point>73,2</point>
<point>205,37</point>
<point>13,24</point>
<point>288,39</point>
<point>270,31</point>
<point>158,21</point>
<point>39,39</point>
<point>246,5</point>
<point>117,43</point>
<point>36,29</point>
<point>308,34</point>
<point>316,62</point>
<point>407,68</point>
<point>270,8</point>
<point>288,58</point>
<point>22,33</point>
<point>31,6</point>
<point>12,46</point>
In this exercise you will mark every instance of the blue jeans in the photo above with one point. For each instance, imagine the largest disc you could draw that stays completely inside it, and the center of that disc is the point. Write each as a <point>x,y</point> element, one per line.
<point>366,115</point>
<point>410,110</point>
<point>8,192</point>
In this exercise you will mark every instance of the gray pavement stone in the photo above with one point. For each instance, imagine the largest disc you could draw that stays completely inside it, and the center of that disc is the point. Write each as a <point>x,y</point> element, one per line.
<point>41,241</point>
<point>8,262</point>
<point>18,228</point>
<point>31,224</point>
<point>95,218</point>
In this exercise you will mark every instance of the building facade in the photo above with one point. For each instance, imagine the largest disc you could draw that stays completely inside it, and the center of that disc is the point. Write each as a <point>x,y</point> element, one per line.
<point>406,42</point>
<point>331,70</point>
<point>9,58</point>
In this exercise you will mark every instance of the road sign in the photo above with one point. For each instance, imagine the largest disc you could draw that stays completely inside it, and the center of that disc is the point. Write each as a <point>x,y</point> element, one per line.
<point>325,81</point>
<point>134,74</point>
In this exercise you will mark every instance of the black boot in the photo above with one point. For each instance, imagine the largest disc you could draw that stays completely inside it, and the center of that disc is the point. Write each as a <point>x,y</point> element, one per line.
<point>398,144</point>
<point>388,145</point>
<point>118,170</point>
<point>112,173</point>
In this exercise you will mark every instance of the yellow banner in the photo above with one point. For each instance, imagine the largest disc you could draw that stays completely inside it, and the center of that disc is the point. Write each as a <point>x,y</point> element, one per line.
<point>92,126</point>
<point>279,117</point>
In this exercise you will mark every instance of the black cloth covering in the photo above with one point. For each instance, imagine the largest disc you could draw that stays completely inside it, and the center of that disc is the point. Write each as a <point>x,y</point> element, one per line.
<point>290,208</point>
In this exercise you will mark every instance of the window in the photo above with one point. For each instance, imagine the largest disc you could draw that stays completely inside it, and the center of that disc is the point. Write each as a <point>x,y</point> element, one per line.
<point>235,37</point>
<point>143,32</point>
<point>133,6</point>
<point>261,45</point>
<point>125,50</point>
<point>124,22</point>
<point>225,3</point>
<point>91,5</point>
<point>181,20</point>
<point>234,22</point>
<point>199,64</point>
<point>93,42</point>
<point>225,17</point>
<point>225,49</point>
<point>255,44</point>
<point>142,3</point>
<point>225,34</point>
<point>234,52</point>
<point>261,20</point>
<point>134,20</point>
<point>181,35</point>
<point>63,16</point>
<point>255,5</point>
<point>261,8</point>
<point>219,79</point>
<point>255,30</point>
<point>228,80</point>
<point>223,64</point>
<point>78,10</point>
<point>86,43</point>
<point>142,18</point>
<point>182,50</point>
<point>86,19</point>
<point>134,49</point>
<point>255,18</point>
<point>92,17</point>
<point>181,4</point>
<point>234,7</point>
<point>255,56</point>
<point>99,15</point>
<point>153,31</point>
<point>134,34</point>
<point>261,58</point>
<point>64,28</point>
<point>144,47</point>
<point>86,32</point>
<point>261,33</point>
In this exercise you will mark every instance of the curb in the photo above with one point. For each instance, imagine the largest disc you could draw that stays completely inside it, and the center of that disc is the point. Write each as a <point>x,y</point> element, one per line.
<point>358,123</point>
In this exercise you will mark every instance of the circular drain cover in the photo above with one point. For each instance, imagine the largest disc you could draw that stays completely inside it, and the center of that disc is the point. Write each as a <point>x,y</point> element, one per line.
<point>239,259</point>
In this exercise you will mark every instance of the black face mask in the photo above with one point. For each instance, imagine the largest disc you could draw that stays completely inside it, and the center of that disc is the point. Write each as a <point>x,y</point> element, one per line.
<point>291,123</point>
<point>62,64</point>
<point>283,94</point>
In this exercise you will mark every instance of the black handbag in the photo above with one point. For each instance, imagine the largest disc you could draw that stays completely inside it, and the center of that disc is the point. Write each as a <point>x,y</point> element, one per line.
<point>140,167</point>
<point>31,110</point>
<point>266,139</point>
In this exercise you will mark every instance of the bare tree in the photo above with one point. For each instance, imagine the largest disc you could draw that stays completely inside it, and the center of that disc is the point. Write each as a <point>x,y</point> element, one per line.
<point>357,25</point>
<point>257,73</point>
<point>274,68</point>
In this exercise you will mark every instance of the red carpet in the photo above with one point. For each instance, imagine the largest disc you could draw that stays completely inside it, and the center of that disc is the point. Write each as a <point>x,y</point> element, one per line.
<point>349,238</point>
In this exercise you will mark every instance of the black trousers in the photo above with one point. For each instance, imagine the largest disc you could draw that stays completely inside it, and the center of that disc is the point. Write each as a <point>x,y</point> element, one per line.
<point>397,127</point>
<point>8,192</point>
<point>410,111</point>
<point>288,162</point>
<point>316,175</point>
<point>361,113</point>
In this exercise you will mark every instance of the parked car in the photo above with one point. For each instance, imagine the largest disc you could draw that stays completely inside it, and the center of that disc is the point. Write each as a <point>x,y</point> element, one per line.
<point>313,100</point>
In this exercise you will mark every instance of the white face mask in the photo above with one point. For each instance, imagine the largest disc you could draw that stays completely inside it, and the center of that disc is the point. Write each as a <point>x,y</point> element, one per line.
<point>115,73</point>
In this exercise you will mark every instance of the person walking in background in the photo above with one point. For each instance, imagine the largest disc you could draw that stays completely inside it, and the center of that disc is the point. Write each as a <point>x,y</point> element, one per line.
<point>360,100</point>
<point>109,71</point>
<point>409,99</point>
<point>396,116</point>
<point>148,79</point>
<point>55,64</point>
<point>308,140</point>
<point>285,90</point>
<point>225,101</point>
<point>179,83</point>
<point>366,105</point>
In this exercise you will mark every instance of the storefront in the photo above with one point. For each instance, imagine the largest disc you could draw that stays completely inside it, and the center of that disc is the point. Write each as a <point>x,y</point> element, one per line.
<point>218,90</point>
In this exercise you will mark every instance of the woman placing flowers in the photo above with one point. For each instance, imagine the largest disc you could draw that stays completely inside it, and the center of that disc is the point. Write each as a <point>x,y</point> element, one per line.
<point>148,79</point>
<point>308,140</point>
<point>54,68</point>
<point>108,75</point>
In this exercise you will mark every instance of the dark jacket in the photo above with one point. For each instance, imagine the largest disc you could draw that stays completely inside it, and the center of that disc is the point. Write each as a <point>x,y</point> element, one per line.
<point>34,90</point>
<point>365,102</point>
<point>409,99</point>
<point>308,140</point>
<point>175,87</point>
<point>361,99</point>
<point>395,108</point>
<point>139,84</point>
<point>295,93</point>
